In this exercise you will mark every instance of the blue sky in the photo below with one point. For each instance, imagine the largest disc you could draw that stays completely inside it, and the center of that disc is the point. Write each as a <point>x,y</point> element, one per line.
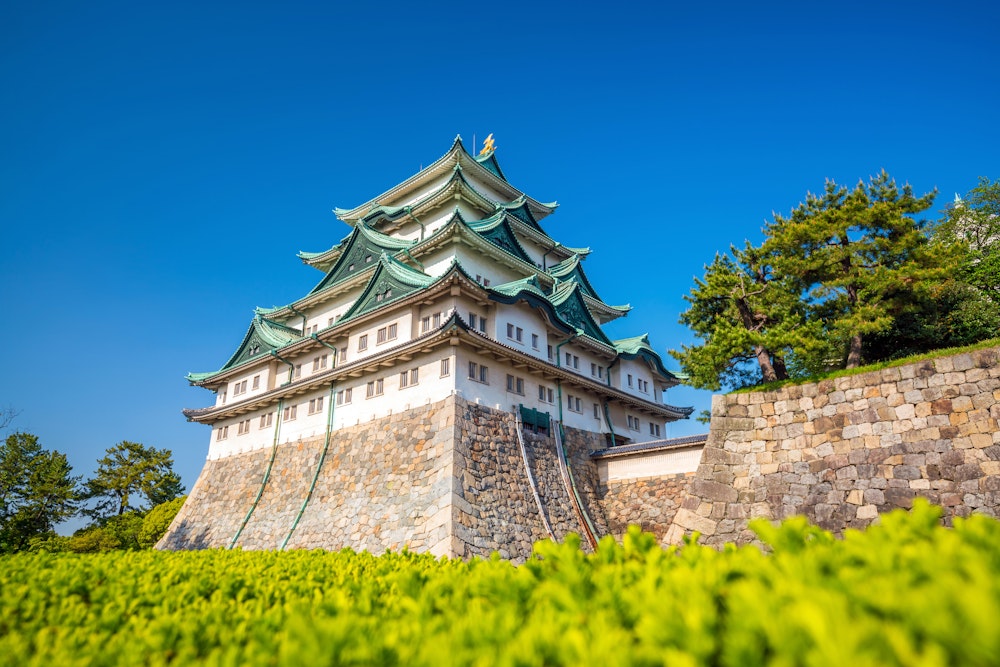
<point>162,163</point>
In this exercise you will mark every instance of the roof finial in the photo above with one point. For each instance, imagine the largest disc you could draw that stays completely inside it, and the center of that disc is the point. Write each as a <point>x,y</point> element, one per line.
<point>488,146</point>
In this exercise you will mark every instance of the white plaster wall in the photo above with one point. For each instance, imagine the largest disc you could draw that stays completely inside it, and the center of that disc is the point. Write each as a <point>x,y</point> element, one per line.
<point>321,315</point>
<point>529,320</point>
<point>654,464</point>
<point>639,370</point>
<point>430,388</point>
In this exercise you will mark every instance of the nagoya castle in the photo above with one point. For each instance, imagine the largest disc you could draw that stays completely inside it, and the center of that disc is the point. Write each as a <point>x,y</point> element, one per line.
<point>447,386</point>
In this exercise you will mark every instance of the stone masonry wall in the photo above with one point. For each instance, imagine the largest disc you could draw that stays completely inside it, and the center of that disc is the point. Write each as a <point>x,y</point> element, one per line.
<point>841,451</point>
<point>496,510</point>
<point>649,502</point>
<point>384,484</point>
<point>447,478</point>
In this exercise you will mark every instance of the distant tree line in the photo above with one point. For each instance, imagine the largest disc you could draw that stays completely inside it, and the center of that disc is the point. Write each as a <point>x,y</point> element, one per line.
<point>130,500</point>
<point>849,277</point>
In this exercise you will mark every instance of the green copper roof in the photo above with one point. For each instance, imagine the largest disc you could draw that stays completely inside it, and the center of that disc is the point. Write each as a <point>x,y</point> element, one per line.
<point>571,269</point>
<point>364,245</point>
<point>262,337</point>
<point>490,162</point>
<point>567,297</point>
<point>529,290</point>
<point>639,346</point>
<point>496,229</point>
<point>391,281</point>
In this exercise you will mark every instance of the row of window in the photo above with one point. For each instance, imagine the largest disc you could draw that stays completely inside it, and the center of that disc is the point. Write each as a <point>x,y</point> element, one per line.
<point>382,335</point>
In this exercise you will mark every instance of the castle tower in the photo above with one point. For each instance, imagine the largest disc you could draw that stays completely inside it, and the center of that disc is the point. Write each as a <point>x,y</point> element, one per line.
<point>446,325</point>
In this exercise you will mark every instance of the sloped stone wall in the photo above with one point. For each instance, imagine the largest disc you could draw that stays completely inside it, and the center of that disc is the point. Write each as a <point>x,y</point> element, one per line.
<point>384,484</point>
<point>842,451</point>
<point>448,478</point>
<point>496,510</point>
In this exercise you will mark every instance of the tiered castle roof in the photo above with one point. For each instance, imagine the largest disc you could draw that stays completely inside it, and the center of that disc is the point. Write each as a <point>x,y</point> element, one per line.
<point>398,251</point>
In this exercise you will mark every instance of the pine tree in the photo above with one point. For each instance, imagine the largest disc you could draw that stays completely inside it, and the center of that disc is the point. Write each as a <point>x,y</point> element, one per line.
<point>745,314</point>
<point>860,256</point>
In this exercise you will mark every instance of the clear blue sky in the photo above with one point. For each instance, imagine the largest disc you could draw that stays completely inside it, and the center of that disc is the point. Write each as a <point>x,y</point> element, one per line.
<point>162,163</point>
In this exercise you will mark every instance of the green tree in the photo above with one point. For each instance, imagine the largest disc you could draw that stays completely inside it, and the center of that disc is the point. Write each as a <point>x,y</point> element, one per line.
<point>37,491</point>
<point>750,321</point>
<point>132,476</point>
<point>973,223</point>
<point>157,521</point>
<point>861,257</point>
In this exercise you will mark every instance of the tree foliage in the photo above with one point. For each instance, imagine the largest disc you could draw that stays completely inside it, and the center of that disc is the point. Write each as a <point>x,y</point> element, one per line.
<point>132,476</point>
<point>37,491</point>
<point>849,276</point>
<point>746,314</point>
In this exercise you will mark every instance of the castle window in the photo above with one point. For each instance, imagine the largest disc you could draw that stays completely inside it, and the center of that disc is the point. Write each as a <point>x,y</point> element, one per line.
<point>350,267</point>
<point>343,354</point>
<point>534,341</point>
<point>362,342</point>
<point>222,433</point>
<point>482,324</point>
<point>445,367</point>
<point>472,320</point>
<point>240,388</point>
<point>654,429</point>
<point>222,398</point>
<point>437,320</point>
<point>545,394</point>
<point>256,382</point>
<point>331,320</point>
<point>510,330</point>
<point>633,423</point>
<point>344,396</point>
<point>313,329</point>
<point>408,378</point>
<point>515,385</point>
<point>572,361</point>
<point>574,403</point>
<point>290,413</point>
<point>315,405</point>
<point>479,373</point>
<point>550,353</point>
<point>597,411</point>
<point>375,388</point>
<point>243,427</point>
<point>368,259</point>
<point>319,363</point>
<point>266,420</point>
<point>425,324</point>
<point>298,371</point>
<point>386,333</point>
<point>630,379</point>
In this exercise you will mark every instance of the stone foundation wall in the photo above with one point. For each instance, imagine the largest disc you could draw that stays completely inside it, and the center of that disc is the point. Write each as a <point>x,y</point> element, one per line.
<point>842,451</point>
<point>448,478</point>
<point>650,503</point>
<point>384,484</point>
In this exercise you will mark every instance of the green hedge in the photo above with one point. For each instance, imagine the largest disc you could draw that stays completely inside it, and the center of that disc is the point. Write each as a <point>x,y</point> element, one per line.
<point>907,592</point>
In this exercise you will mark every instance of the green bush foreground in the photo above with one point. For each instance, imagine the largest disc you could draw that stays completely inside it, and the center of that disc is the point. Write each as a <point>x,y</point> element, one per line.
<point>906,592</point>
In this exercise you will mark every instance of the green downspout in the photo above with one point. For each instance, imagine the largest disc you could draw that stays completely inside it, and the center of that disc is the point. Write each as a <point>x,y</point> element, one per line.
<point>319,466</point>
<point>291,366</point>
<point>303,316</point>
<point>607,417</point>
<point>267,475</point>
<point>409,212</point>
<point>325,344</point>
